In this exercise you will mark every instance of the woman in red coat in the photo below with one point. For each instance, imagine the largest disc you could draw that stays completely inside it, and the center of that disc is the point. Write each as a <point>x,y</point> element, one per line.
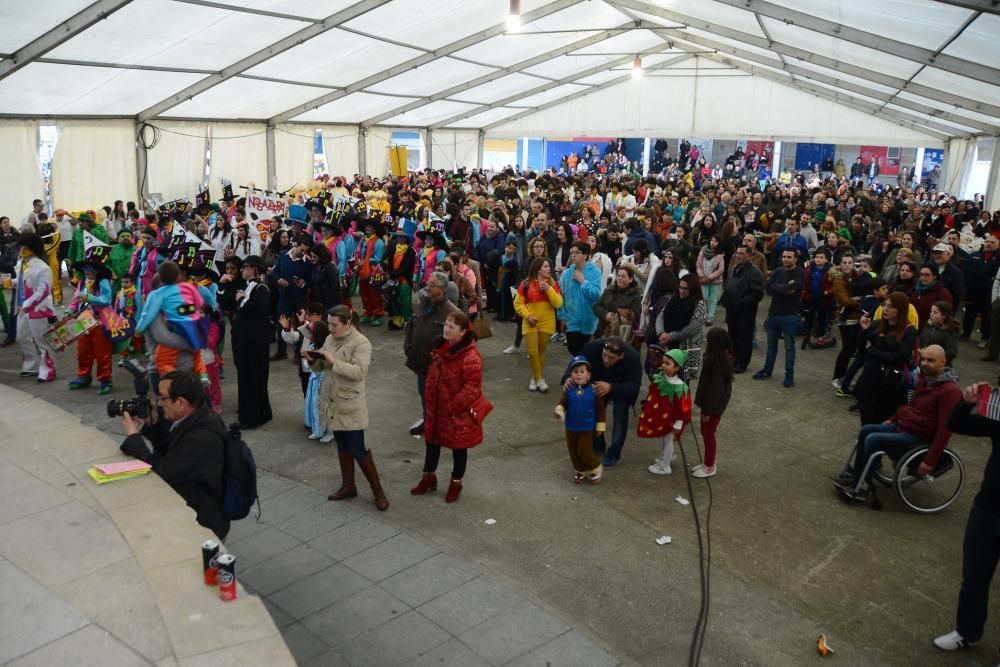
<point>454,383</point>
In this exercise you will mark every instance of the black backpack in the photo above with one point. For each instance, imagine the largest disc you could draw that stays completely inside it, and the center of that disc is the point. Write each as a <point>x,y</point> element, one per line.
<point>239,478</point>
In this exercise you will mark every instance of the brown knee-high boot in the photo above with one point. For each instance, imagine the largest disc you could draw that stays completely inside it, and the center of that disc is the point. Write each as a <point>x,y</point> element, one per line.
<point>347,488</point>
<point>367,466</point>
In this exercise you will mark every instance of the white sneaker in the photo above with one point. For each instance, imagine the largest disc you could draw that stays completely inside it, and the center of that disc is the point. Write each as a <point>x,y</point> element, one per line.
<point>513,349</point>
<point>327,438</point>
<point>533,385</point>
<point>557,337</point>
<point>701,471</point>
<point>952,641</point>
<point>313,436</point>
<point>659,469</point>
<point>835,383</point>
<point>543,386</point>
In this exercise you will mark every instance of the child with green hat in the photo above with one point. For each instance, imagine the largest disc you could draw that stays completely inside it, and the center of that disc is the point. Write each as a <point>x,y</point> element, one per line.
<point>667,408</point>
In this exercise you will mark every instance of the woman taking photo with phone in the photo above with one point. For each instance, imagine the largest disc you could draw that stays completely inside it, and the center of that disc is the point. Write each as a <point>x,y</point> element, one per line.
<point>344,358</point>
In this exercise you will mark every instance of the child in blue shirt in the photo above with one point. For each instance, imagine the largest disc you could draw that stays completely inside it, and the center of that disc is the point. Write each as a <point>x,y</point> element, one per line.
<point>583,413</point>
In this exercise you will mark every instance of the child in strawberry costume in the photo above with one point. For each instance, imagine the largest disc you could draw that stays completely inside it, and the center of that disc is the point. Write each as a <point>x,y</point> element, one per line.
<point>667,408</point>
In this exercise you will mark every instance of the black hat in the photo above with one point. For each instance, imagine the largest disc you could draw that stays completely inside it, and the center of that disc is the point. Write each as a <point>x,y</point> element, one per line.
<point>379,227</point>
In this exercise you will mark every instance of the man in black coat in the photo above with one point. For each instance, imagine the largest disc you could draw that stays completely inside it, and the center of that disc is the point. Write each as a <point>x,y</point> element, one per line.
<point>616,374</point>
<point>744,290</point>
<point>420,332</point>
<point>188,446</point>
<point>252,333</point>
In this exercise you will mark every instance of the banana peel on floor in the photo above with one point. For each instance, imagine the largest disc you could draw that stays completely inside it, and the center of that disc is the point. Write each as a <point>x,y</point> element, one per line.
<point>823,648</point>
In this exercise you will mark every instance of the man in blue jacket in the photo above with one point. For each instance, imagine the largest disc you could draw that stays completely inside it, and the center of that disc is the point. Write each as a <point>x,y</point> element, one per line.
<point>488,251</point>
<point>791,240</point>
<point>635,232</point>
<point>292,272</point>
<point>581,288</point>
<point>616,377</point>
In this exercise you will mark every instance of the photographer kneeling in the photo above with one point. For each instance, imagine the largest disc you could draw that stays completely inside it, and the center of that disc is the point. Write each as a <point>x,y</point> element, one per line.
<point>188,446</point>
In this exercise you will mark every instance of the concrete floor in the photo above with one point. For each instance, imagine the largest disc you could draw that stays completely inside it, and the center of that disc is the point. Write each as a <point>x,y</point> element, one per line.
<point>789,560</point>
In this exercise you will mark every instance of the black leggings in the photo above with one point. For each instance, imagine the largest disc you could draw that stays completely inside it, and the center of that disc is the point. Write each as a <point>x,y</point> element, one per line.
<point>575,342</point>
<point>459,457</point>
<point>849,345</point>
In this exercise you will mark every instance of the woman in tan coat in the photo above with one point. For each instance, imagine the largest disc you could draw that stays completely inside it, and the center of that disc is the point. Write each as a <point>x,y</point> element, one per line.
<point>345,357</point>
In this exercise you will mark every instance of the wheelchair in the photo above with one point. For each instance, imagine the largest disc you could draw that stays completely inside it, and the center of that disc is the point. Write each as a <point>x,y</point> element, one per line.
<point>925,495</point>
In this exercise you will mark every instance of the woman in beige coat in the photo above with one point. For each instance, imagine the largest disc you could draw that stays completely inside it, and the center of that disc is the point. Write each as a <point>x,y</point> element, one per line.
<point>344,358</point>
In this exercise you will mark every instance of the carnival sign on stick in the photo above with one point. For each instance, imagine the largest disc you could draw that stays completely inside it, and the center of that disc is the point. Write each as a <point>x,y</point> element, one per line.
<point>260,208</point>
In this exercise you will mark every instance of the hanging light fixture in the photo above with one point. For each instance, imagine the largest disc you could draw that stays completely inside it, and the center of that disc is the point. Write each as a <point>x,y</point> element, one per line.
<point>514,15</point>
<point>637,68</point>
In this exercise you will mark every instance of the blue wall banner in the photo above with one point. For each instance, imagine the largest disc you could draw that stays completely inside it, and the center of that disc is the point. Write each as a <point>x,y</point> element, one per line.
<point>806,155</point>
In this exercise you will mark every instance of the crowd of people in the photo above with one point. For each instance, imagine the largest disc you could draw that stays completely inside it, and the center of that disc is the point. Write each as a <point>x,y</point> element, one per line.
<point>628,271</point>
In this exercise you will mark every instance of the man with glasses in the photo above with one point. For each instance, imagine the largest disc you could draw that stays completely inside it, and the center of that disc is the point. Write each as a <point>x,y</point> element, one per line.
<point>616,375</point>
<point>188,446</point>
<point>427,323</point>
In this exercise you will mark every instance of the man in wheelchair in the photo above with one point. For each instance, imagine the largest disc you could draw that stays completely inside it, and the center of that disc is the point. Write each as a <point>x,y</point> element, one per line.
<point>923,420</point>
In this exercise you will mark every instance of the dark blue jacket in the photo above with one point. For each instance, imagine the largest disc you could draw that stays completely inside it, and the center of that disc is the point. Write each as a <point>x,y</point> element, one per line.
<point>486,244</point>
<point>625,377</point>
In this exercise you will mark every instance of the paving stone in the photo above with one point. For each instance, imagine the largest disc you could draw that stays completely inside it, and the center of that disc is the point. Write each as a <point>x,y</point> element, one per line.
<point>320,590</point>
<point>257,548</point>
<point>513,632</point>
<point>450,654</point>
<point>286,568</point>
<point>328,659</point>
<point>119,599</point>
<point>62,543</point>
<point>288,503</point>
<point>353,537</point>
<point>269,485</point>
<point>22,494</point>
<point>387,558</point>
<point>87,646</point>
<point>278,615</point>
<point>30,616</point>
<point>172,537</point>
<point>470,604</point>
<point>394,643</point>
<point>244,528</point>
<point>354,615</point>
<point>271,651</point>
<point>568,650</point>
<point>302,643</point>
<point>428,579</point>
<point>317,520</point>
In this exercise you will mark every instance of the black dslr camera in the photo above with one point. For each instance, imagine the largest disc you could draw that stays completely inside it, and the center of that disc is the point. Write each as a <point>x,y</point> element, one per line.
<point>137,406</point>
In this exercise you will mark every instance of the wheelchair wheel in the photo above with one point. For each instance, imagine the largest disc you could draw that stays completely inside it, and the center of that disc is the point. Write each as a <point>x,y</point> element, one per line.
<point>927,495</point>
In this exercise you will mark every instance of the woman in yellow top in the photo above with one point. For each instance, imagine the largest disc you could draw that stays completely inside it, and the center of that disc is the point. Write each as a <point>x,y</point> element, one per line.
<point>537,300</point>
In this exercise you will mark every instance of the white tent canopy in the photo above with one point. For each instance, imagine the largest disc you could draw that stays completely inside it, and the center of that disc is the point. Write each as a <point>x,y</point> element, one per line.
<point>898,72</point>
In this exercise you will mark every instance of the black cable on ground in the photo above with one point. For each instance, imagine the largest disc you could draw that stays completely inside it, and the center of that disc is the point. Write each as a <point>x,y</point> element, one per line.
<point>704,557</point>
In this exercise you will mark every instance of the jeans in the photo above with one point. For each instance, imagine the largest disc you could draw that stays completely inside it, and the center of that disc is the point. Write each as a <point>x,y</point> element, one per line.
<point>783,326</point>
<point>711,294</point>
<point>880,437</point>
<point>619,411</point>
<point>353,442</point>
<point>980,553</point>
<point>421,381</point>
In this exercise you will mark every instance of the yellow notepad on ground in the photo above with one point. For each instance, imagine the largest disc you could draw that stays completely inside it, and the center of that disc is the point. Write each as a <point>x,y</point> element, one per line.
<point>103,478</point>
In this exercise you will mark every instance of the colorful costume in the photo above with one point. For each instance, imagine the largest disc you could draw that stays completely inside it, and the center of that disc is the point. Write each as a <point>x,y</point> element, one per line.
<point>127,304</point>
<point>145,261</point>
<point>34,308</point>
<point>400,303</point>
<point>666,411</point>
<point>120,260</point>
<point>369,255</point>
<point>94,292</point>
<point>180,305</point>
<point>52,257</point>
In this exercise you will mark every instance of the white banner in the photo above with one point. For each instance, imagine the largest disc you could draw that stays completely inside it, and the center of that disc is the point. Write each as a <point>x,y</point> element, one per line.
<point>260,208</point>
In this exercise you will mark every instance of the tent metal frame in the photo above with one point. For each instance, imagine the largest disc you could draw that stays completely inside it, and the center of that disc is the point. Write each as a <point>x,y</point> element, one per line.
<point>59,35</point>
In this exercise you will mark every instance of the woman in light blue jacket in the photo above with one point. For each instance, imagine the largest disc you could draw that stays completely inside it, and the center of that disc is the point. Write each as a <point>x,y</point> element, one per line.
<point>580,284</point>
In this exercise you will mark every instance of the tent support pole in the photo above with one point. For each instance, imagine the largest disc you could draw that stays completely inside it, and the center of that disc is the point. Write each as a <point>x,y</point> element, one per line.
<point>362,157</point>
<point>481,148</point>
<point>429,147</point>
<point>272,164</point>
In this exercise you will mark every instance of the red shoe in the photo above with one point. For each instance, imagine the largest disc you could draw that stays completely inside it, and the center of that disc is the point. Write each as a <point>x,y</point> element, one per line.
<point>454,491</point>
<point>428,482</point>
